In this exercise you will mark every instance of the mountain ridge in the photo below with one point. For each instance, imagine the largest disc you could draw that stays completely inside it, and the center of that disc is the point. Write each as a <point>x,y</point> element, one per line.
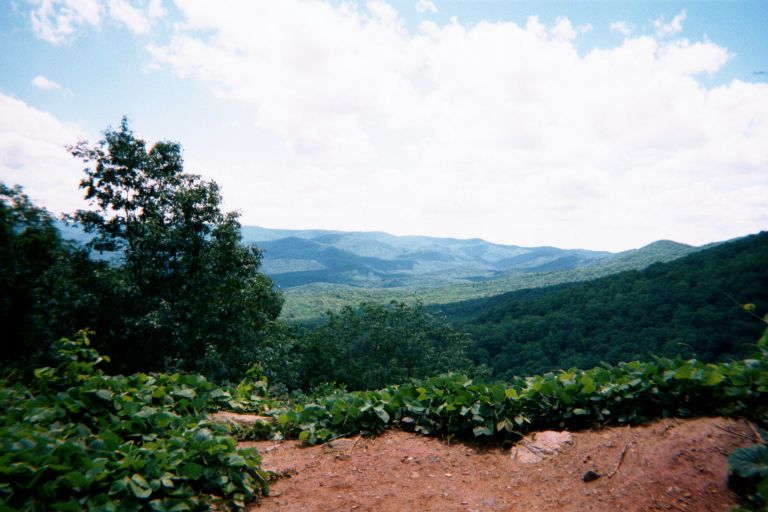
<point>381,260</point>
<point>691,305</point>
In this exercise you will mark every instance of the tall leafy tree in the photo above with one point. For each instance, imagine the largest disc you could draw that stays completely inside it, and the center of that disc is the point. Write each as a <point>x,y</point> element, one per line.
<point>374,345</point>
<point>194,297</point>
<point>48,286</point>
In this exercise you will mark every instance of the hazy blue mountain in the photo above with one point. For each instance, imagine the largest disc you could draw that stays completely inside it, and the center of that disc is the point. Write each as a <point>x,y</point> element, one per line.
<point>380,260</point>
<point>324,269</point>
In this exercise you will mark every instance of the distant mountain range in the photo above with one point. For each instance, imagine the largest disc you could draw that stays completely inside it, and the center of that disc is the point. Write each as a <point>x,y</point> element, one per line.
<point>380,260</point>
<point>321,269</point>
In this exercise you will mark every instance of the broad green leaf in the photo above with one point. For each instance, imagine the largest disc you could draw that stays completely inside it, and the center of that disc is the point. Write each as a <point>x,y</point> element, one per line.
<point>482,431</point>
<point>382,414</point>
<point>714,378</point>
<point>192,470</point>
<point>587,385</point>
<point>139,491</point>
<point>750,461</point>
<point>105,394</point>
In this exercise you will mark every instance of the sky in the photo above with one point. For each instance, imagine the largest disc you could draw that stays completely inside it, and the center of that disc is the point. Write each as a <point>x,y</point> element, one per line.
<point>603,125</point>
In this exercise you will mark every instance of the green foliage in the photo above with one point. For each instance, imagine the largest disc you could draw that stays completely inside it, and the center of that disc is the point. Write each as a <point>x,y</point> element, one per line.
<point>48,287</point>
<point>77,439</point>
<point>454,404</point>
<point>689,306</point>
<point>373,345</point>
<point>192,297</point>
<point>748,466</point>
<point>748,477</point>
<point>307,303</point>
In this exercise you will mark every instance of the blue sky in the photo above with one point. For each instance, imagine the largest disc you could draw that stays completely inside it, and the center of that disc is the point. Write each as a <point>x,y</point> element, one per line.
<point>604,125</point>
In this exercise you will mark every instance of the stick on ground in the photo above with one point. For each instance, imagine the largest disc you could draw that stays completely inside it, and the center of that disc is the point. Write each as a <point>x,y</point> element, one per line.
<point>621,456</point>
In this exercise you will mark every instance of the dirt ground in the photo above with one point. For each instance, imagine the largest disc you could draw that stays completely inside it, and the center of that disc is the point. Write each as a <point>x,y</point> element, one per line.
<point>666,465</point>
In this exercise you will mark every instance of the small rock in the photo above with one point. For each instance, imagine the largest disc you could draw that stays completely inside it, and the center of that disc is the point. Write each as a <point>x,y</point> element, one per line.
<point>590,476</point>
<point>541,445</point>
<point>340,444</point>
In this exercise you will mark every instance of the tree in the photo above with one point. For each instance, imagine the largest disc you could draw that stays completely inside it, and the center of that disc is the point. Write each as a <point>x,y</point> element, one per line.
<point>194,297</point>
<point>48,287</point>
<point>374,345</point>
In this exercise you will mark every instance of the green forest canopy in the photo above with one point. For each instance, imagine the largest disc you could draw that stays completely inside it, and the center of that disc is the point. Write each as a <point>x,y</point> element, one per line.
<point>690,306</point>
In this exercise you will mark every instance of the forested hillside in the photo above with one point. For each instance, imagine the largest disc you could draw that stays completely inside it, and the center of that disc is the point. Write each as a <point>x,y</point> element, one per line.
<point>320,270</point>
<point>308,302</point>
<point>691,306</point>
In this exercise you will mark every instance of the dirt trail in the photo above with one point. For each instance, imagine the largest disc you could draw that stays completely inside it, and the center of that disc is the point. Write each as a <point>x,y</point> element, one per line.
<point>666,465</point>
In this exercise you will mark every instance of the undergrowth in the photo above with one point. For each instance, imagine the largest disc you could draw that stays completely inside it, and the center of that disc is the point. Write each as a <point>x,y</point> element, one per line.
<point>459,406</point>
<point>76,439</point>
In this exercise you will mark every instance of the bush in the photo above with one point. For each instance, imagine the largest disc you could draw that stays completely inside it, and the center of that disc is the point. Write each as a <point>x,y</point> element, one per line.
<point>77,439</point>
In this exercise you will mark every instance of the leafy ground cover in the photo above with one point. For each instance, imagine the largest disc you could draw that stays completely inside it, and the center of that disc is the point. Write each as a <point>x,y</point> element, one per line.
<point>749,473</point>
<point>456,405</point>
<point>627,393</point>
<point>77,439</point>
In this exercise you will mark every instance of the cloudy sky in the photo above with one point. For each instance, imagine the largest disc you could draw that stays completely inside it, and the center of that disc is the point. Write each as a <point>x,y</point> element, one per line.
<point>602,125</point>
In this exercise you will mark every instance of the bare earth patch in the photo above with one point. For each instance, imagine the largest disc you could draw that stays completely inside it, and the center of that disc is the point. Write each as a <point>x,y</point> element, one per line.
<point>666,465</point>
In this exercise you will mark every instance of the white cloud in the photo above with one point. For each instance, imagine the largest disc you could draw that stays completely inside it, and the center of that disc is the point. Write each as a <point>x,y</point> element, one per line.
<point>492,129</point>
<point>672,28</point>
<point>622,27</point>
<point>33,154</point>
<point>156,10</point>
<point>56,21</point>
<point>134,19</point>
<point>425,6</point>
<point>45,84</point>
<point>563,30</point>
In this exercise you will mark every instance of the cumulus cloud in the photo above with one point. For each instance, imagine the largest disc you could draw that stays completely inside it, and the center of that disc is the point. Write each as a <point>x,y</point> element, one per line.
<point>156,10</point>
<point>494,129</point>
<point>33,154</point>
<point>425,6</point>
<point>672,28</point>
<point>45,84</point>
<point>57,21</point>
<point>134,19</point>
<point>622,27</point>
<point>499,129</point>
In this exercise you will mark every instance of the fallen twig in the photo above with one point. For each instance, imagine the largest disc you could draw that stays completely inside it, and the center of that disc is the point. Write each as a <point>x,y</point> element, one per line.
<point>754,429</point>
<point>739,434</point>
<point>621,456</point>
<point>354,444</point>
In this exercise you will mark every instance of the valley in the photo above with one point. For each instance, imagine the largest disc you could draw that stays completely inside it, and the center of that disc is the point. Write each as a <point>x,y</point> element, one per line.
<point>326,270</point>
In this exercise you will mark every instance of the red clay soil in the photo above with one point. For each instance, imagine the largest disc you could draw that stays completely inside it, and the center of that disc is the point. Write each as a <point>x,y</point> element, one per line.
<point>667,465</point>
